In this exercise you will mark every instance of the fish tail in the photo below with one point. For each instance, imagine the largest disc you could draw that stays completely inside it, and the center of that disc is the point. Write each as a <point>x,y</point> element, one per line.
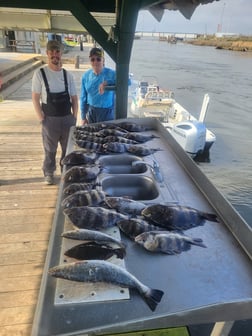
<point>120,252</point>
<point>210,217</point>
<point>152,297</point>
<point>198,242</point>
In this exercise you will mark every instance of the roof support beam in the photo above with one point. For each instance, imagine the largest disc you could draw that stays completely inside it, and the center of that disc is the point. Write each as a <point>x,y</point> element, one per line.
<point>92,26</point>
<point>127,13</point>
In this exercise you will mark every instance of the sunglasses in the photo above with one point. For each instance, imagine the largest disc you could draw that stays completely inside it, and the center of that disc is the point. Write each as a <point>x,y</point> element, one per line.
<point>93,59</point>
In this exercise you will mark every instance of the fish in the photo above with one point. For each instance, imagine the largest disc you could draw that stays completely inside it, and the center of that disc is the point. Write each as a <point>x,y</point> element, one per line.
<point>135,226</point>
<point>92,250</point>
<point>82,173</point>
<point>90,145</point>
<point>125,205</point>
<point>176,217</point>
<point>93,271</point>
<point>115,138</point>
<point>88,138</point>
<point>89,128</point>
<point>86,217</point>
<point>133,127</point>
<point>92,235</point>
<point>167,241</point>
<point>74,187</point>
<point>138,137</point>
<point>79,157</point>
<point>83,197</point>
<point>115,147</point>
<point>108,131</point>
<point>141,150</point>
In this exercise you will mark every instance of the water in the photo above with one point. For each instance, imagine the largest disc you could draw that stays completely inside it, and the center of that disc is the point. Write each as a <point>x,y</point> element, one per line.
<point>191,71</point>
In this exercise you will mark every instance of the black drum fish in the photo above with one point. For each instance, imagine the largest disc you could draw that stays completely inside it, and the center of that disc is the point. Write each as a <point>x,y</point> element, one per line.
<point>176,217</point>
<point>93,271</point>
<point>141,150</point>
<point>135,226</point>
<point>167,241</point>
<point>81,198</point>
<point>82,173</point>
<point>92,250</point>
<point>79,157</point>
<point>87,217</point>
<point>125,205</point>
<point>138,137</point>
<point>115,147</point>
<point>133,127</point>
<point>74,187</point>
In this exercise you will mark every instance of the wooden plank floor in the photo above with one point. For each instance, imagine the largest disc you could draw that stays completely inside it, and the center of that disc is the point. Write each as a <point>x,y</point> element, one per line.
<point>27,208</point>
<point>26,212</point>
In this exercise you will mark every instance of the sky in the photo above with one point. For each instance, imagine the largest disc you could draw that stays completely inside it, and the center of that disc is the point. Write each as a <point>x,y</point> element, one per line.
<point>234,16</point>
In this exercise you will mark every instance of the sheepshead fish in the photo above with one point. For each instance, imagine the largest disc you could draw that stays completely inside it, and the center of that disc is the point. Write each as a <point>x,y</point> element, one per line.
<point>86,217</point>
<point>115,147</point>
<point>90,146</point>
<point>92,250</point>
<point>141,150</point>
<point>133,127</point>
<point>89,128</point>
<point>81,173</point>
<point>81,198</point>
<point>176,217</point>
<point>74,187</point>
<point>167,241</point>
<point>92,235</point>
<point>115,138</point>
<point>104,271</point>
<point>138,137</point>
<point>79,157</point>
<point>111,131</point>
<point>125,205</point>
<point>135,226</point>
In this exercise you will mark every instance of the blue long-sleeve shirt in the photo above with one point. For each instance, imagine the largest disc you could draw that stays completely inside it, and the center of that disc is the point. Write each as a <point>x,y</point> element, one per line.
<point>90,95</point>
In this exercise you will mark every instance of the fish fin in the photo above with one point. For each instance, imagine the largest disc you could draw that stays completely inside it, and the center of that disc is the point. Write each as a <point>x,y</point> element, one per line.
<point>210,217</point>
<point>198,242</point>
<point>120,252</point>
<point>153,297</point>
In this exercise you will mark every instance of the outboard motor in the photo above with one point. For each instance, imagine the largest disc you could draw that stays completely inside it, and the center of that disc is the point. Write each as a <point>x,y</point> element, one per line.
<point>191,135</point>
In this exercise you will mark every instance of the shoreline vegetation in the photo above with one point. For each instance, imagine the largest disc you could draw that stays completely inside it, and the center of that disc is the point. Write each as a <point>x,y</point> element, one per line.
<point>227,43</point>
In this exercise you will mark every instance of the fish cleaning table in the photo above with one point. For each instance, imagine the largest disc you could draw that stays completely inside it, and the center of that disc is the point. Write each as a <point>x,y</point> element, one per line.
<point>202,285</point>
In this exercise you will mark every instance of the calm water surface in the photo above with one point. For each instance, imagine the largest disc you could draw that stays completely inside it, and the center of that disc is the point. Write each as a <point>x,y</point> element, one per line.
<point>191,71</point>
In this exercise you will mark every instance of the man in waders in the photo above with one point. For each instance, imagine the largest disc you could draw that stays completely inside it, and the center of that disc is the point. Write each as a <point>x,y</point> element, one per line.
<point>55,101</point>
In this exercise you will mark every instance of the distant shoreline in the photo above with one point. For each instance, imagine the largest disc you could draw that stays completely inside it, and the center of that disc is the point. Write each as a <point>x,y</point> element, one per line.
<point>224,43</point>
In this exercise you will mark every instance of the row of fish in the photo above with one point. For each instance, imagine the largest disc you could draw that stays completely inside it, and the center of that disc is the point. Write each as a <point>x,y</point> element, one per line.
<point>90,210</point>
<point>156,227</point>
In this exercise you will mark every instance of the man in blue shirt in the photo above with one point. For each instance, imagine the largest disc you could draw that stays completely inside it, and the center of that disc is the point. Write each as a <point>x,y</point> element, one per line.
<point>97,103</point>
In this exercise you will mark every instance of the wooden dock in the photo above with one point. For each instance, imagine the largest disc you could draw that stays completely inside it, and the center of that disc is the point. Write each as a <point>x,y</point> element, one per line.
<point>27,208</point>
<point>26,212</point>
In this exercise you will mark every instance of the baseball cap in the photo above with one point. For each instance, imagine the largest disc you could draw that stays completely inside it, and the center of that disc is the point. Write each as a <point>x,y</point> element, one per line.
<point>54,44</point>
<point>97,52</point>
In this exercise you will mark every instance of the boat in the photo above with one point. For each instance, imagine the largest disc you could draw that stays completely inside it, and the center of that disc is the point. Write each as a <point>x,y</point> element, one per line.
<point>149,100</point>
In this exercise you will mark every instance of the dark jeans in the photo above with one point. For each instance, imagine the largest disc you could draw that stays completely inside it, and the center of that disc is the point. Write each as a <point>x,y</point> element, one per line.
<point>99,114</point>
<point>55,130</point>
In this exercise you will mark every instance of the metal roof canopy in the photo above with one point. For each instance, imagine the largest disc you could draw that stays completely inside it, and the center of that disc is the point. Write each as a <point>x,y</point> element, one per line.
<point>114,30</point>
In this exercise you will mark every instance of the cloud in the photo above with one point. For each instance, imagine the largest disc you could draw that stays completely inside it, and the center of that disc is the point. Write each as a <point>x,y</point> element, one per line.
<point>233,15</point>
